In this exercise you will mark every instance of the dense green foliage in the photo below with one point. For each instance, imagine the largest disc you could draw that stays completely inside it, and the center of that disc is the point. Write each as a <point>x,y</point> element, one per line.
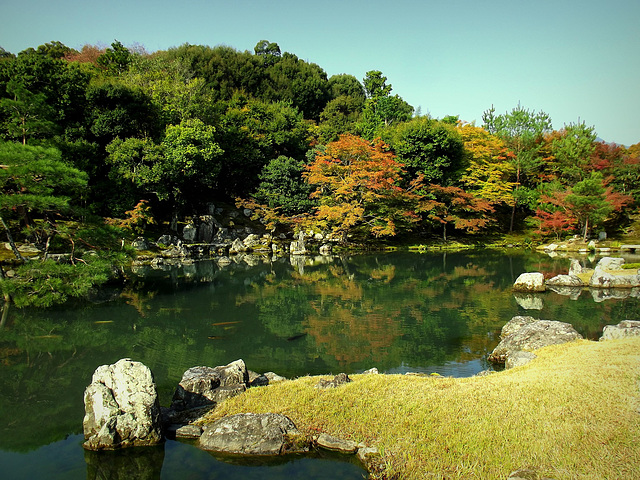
<point>104,129</point>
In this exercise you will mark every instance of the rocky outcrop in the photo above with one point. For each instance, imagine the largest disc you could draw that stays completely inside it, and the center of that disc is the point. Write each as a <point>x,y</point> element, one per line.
<point>253,434</point>
<point>531,336</point>
<point>626,328</point>
<point>515,324</point>
<point>201,389</point>
<point>338,380</point>
<point>204,386</point>
<point>121,407</point>
<point>529,282</point>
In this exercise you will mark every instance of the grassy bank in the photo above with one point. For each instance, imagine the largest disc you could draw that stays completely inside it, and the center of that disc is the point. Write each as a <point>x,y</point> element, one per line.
<point>573,413</point>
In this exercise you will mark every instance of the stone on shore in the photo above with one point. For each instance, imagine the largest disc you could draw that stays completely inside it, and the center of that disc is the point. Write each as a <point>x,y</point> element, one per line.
<point>253,434</point>
<point>626,328</point>
<point>336,444</point>
<point>121,407</point>
<point>566,281</point>
<point>206,386</point>
<point>532,336</point>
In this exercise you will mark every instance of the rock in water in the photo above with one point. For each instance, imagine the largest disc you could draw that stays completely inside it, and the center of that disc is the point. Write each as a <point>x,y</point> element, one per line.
<point>529,282</point>
<point>206,386</point>
<point>253,434</point>
<point>121,407</point>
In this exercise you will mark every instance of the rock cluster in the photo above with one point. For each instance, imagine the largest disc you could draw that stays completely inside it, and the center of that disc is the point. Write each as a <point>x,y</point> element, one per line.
<point>122,410</point>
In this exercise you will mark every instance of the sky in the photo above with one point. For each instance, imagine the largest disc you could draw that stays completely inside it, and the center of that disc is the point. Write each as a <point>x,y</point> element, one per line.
<point>576,60</point>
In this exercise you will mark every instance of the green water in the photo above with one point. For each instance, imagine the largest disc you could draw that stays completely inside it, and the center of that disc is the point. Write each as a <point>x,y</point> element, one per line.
<point>398,312</point>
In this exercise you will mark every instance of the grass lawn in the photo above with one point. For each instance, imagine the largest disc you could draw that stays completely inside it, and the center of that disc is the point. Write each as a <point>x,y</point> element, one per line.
<point>572,413</point>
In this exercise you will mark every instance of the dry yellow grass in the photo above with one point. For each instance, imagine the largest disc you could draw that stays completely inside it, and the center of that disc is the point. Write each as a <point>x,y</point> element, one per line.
<point>573,413</point>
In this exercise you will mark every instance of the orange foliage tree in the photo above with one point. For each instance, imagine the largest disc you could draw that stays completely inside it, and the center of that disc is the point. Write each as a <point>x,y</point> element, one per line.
<point>360,191</point>
<point>453,206</point>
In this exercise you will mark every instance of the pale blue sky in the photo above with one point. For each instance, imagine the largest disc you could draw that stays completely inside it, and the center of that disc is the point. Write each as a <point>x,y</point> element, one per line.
<point>574,59</point>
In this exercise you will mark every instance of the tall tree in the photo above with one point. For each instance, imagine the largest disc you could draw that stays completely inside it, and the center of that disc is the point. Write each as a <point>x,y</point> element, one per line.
<point>522,131</point>
<point>573,151</point>
<point>35,181</point>
<point>380,108</point>
<point>28,114</point>
<point>453,206</point>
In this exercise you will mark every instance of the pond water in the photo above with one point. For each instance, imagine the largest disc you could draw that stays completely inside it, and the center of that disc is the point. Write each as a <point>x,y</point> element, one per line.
<point>399,312</point>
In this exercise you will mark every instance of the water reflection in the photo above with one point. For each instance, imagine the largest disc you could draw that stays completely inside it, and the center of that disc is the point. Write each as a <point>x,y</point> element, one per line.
<point>293,316</point>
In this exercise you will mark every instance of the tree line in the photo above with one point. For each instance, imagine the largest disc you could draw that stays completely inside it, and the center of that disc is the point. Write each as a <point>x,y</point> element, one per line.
<point>119,132</point>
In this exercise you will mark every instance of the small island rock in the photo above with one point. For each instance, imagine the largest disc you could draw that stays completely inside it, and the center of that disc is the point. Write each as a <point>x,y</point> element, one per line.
<point>529,282</point>
<point>121,407</point>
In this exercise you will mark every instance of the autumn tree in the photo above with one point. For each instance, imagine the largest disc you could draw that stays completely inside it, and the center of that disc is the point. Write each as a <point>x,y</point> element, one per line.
<point>357,185</point>
<point>489,167</point>
<point>452,206</point>
<point>588,204</point>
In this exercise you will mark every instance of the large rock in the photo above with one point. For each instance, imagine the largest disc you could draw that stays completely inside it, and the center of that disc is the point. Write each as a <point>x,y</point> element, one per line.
<point>189,233</point>
<point>253,434</point>
<point>529,282</point>
<point>515,324</point>
<point>532,336</point>
<point>206,386</point>
<point>626,328</point>
<point>121,407</point>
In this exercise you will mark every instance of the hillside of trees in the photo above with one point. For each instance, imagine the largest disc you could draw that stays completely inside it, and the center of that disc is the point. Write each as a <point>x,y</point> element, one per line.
<point>118,133</point>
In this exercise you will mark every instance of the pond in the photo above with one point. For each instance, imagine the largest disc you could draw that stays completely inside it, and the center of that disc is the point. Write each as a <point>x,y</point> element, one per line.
<point>398,312</point>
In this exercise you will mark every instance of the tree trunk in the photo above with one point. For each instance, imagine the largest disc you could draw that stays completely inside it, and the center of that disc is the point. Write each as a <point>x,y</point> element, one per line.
<point>11,242</point>
<point>586,229</point>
